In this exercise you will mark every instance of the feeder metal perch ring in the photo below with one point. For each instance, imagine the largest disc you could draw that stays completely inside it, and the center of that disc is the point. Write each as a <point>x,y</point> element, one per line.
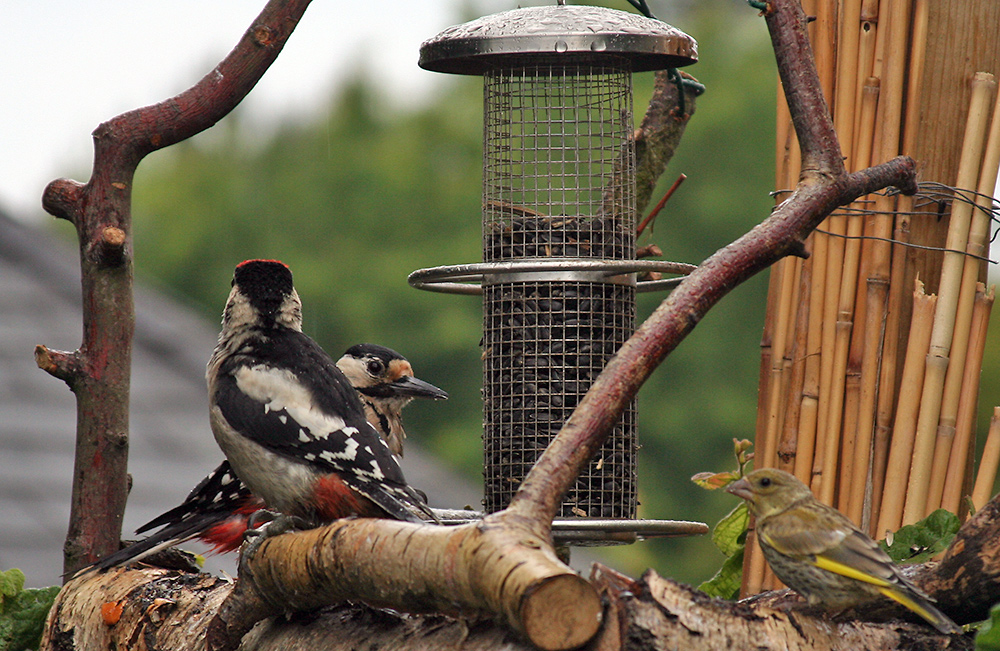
<point>469,278</point>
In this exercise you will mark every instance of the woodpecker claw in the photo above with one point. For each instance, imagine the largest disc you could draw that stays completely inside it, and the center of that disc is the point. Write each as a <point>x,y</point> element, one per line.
<point>258,521</point>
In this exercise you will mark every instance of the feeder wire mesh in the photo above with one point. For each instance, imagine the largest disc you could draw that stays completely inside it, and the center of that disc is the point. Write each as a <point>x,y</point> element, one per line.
<point>558,169</point>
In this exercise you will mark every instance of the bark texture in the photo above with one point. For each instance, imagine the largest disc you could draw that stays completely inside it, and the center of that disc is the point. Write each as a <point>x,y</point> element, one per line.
<point>171,609</point>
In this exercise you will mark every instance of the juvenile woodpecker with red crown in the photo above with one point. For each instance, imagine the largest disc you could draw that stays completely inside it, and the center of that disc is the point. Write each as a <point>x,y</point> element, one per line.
<point>288,420</point>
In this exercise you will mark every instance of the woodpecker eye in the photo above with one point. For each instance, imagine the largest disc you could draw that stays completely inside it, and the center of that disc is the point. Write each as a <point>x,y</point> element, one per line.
<point>375,366</point>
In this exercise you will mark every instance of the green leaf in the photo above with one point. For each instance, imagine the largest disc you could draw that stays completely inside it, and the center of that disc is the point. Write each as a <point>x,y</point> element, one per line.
<point>726,582</point>
<point>22,612</point>
<point>988,637</point>
<point>730,537</point>
<point>714,480</point>
<point>730,534</point>
<point>917,543</point>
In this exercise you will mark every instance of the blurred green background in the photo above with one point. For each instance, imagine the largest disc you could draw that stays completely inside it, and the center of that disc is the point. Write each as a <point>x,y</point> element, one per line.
<point>374,189</point>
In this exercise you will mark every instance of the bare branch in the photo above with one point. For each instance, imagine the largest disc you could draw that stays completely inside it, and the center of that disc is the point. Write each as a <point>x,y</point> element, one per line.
<point>101,211</point>
<point>659,135</point>
<point>58,363</point>
<point>499,566</point>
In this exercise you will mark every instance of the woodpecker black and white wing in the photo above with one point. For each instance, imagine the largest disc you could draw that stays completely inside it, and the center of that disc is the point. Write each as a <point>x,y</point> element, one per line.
<point>218,495</point>
<point>216,499</point>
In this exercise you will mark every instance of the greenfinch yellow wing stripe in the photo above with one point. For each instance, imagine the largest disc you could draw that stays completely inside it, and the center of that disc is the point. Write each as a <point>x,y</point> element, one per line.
<point>846,570</point>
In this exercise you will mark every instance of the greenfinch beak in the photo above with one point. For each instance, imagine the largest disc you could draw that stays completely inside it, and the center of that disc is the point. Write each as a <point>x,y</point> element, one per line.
<point>741,489</point>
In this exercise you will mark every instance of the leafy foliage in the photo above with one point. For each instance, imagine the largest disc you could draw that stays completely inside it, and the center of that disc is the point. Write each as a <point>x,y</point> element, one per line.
<point>22,612</point>
<point>918,543</point>
<point>988,637</point>
<point>730,535</point>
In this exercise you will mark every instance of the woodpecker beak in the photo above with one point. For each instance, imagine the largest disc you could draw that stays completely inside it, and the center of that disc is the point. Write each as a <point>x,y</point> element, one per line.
<point>408,385</point>
<point>741,489</point>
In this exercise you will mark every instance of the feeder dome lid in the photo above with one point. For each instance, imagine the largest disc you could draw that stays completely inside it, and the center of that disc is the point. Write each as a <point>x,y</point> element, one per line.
<point>565,32</point>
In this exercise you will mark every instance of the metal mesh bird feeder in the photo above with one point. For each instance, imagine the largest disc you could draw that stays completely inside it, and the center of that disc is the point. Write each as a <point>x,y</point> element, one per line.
<point>558,277</point>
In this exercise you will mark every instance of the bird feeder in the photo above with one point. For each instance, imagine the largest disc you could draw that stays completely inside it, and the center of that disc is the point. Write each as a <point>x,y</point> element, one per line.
<point>558,277</point>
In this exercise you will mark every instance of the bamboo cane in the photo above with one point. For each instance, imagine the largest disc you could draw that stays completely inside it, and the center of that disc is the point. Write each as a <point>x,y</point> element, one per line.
<point>979,227</point>
<point>825,45</point>
<point>846,99</point>
<point>988,464</point>
<point>887,371</point>
<point>788,445</point>
<point>944,441</point>
<point>779,344</point>
<point>918,488</point>
<point>904,428</point>
<point>867,38</point>
<point>863,367</point>
<point>835,410</point>
<point>808,411</point>
<point>848,441</point>
<point>897,285</point>
<point>918,50</point>
<point>893,33</point>
<point>831,386</point>
<point>866,421</point>
<point>965,426</point>
<point>866,131</point>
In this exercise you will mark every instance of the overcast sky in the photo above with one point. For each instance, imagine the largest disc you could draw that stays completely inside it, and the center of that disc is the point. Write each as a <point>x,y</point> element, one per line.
<point>69,65</point>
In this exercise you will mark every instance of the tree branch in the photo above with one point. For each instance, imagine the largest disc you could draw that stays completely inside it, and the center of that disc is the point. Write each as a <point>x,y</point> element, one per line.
<point>101,211</point>
<point>659,135</point>
<point>170,610</point>
<point>500,566</point>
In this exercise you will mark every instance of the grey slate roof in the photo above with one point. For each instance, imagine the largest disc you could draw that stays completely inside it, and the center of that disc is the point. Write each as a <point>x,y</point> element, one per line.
<point>171,446</point>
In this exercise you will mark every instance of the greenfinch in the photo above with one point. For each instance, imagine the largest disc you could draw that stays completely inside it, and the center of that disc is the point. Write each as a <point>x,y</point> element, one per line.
<point>818,552</point>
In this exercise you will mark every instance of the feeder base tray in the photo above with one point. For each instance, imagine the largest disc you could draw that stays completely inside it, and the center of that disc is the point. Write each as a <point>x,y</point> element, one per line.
<point>595,532</point>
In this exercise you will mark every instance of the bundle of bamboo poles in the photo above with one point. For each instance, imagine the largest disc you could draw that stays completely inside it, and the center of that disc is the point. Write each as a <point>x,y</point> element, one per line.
<point>872,347</point>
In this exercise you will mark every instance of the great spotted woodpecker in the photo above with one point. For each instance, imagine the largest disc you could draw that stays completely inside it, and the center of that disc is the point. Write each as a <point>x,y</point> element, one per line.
<point>217,509</point>
<point>288,420</point>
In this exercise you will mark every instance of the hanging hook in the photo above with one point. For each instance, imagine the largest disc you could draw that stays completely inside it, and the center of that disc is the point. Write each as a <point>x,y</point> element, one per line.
<point>642,7</point>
